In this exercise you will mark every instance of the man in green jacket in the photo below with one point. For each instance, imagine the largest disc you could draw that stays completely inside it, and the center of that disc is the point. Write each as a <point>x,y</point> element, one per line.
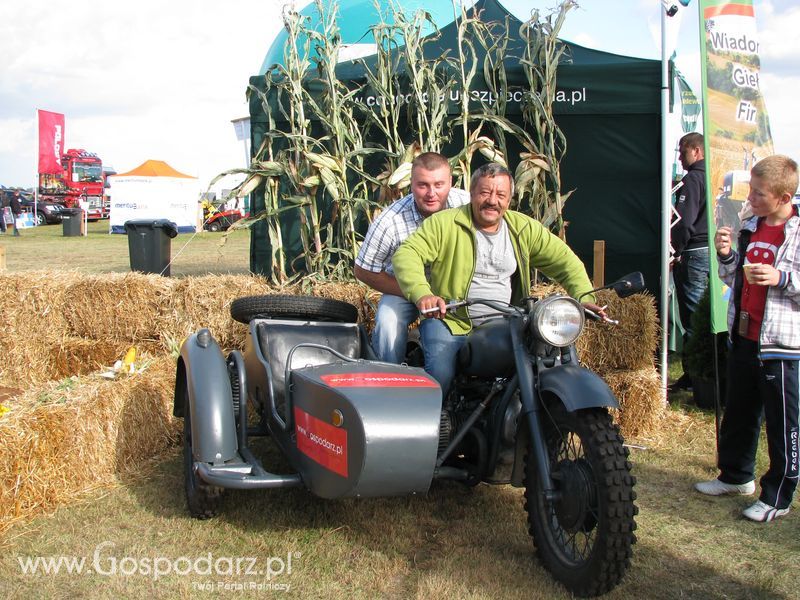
<point>480,250</point>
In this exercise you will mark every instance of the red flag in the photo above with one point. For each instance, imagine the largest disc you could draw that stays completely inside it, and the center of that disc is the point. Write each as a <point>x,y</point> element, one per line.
<point>51,141</point>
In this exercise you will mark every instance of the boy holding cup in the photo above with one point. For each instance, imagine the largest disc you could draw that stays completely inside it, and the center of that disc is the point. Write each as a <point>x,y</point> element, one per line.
<point>764,333</point>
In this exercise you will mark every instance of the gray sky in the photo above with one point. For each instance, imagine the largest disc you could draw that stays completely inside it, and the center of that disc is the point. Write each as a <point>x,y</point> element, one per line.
<point>162,80</point>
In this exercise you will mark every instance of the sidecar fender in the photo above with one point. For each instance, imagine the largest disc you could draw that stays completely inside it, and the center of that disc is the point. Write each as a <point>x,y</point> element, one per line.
<point>577,388</point>
<point>204,372</point>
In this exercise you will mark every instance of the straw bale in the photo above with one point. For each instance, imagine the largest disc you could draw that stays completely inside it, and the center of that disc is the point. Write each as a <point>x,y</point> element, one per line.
<point>641,405</point>
<point>34,362</point>
<point>354,293</point>
<point>32,302</point>
<point>117,306</point>
<point>205,302</point>
<point>32,320</point>
<point>66,438</point>
<point>81,356</point>
<point>631,345</point>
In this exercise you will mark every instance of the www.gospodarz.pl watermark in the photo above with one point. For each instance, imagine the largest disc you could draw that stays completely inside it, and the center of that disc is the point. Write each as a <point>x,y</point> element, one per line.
<point>102,562</point>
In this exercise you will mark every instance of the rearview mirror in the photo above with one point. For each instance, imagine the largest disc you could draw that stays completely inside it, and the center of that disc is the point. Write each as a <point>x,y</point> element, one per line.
<point>630,284</point>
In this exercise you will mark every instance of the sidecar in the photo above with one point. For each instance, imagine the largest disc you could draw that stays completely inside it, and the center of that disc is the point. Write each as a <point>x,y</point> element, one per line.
<point>347,424</point>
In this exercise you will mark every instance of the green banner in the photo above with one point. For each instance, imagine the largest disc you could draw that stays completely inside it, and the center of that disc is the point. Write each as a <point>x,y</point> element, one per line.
<point>735,122</point>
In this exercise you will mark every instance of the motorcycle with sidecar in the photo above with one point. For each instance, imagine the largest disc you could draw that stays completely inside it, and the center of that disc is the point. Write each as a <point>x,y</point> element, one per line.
<point>521,411</point>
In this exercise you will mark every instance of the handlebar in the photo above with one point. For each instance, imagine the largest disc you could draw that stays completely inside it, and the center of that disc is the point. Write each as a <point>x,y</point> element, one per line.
<point>595,317</point>
<point>449,306</point>
<point>508,309</point>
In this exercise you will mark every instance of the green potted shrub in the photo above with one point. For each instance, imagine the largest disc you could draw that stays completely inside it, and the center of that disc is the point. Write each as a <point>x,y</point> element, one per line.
<point>699,355</point>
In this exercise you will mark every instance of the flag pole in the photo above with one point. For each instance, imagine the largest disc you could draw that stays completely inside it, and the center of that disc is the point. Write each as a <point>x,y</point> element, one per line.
<point>36,179</point>
<point>666,208</point>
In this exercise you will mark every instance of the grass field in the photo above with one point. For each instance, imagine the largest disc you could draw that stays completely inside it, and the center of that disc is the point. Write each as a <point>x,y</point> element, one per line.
<point>46,247</point>
<point>453,542</point>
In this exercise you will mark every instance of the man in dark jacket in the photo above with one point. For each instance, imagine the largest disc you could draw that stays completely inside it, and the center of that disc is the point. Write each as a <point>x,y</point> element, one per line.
<point>16,209</point>
<point>689,236</point>
<point>3,205</point>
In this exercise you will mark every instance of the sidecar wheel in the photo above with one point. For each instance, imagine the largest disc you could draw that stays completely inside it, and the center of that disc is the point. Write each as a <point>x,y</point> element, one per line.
<point>584,537</point>
<point>313,308</point>
<point>202,499</point>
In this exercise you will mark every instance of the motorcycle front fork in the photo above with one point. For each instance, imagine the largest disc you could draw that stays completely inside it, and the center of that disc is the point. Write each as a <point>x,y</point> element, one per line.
<point>531,410</point>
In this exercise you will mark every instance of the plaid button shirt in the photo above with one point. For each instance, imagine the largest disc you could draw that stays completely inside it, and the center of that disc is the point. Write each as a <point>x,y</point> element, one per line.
<point>780,329</point>
<point>392,227</point>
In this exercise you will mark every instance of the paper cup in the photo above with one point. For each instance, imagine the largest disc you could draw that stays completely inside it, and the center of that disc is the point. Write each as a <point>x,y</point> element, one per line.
<point>748,272</point>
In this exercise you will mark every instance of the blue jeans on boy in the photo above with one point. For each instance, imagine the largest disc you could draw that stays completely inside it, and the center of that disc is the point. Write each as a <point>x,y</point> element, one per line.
<point>440,348</point>
<point>390,336</point>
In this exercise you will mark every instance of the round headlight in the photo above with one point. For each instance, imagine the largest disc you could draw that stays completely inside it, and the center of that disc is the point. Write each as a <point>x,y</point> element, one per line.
<point>558,320</point>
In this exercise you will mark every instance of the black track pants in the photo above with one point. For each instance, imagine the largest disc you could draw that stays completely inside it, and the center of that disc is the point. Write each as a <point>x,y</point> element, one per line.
<point>774,387</point>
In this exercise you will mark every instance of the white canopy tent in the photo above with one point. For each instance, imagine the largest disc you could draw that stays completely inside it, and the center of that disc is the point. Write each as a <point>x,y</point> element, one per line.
<point>154,190</point>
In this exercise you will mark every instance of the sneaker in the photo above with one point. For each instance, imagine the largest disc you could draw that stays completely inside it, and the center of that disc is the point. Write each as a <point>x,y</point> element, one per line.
<point>763,513</point>
<point>715,487</point>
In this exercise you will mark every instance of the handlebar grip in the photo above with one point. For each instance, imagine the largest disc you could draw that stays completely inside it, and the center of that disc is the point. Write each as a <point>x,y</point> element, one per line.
<point>448,306</point>
<point>591,314</point>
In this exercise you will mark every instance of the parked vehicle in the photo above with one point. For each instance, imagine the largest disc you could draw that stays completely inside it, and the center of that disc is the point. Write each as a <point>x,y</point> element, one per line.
<point>82,180</point>
<point>221,220</point>
<point>522,411</point>
<point>44,213</point>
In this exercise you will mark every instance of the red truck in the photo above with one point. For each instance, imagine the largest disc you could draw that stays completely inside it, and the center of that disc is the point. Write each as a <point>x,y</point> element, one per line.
<point>81,180</point>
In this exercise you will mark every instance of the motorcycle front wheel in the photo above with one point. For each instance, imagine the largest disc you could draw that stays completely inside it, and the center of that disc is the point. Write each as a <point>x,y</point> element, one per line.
<point>584,535</point>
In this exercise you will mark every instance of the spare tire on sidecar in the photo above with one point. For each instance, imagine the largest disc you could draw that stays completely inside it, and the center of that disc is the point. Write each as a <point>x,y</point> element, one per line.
<point>347,424</point>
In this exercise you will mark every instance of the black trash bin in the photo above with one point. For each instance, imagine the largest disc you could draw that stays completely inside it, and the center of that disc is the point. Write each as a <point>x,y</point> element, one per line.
<point>71,220</point>
<point>149,244</point>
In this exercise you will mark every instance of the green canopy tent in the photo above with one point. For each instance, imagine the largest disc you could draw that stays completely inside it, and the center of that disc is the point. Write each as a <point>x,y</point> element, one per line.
<point>608,107</point>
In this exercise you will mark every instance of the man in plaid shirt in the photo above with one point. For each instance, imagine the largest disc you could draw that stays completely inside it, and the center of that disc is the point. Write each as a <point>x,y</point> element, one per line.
<point>431,191</point>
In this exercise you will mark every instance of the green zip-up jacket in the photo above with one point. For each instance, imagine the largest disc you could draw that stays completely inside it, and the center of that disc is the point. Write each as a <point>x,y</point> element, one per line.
<point>446,242</point>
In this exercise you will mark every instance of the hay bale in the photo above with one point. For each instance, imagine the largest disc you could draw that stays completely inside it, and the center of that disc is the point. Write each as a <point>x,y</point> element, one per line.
<point>641,405</point>
<point>364,298</point>
<point>66,438</point>
<point>206,302</point>
<point>629,346</point>
<point>32,321</point>
<point>81,356</point>
<point>129,307</point>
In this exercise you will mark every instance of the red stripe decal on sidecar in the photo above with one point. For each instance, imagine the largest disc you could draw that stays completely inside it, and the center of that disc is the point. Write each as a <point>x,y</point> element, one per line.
<point>377,380</point>
<point>321,442</point>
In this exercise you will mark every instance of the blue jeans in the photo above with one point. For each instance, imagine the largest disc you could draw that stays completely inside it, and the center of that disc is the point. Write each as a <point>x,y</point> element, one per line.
<point>691,280</point>
<point>390,336</point>
<point>440,348</point>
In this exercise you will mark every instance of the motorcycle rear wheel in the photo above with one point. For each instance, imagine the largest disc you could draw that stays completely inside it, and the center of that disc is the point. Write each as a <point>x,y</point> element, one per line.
<point>584,538</point>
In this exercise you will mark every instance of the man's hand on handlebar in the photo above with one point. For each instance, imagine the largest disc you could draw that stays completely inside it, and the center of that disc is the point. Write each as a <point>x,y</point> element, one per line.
<point>598,312</point>
<point>432,307</point>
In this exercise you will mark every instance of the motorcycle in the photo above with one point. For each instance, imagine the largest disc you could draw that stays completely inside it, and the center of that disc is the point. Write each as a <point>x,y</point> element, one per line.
<point>521,411</point>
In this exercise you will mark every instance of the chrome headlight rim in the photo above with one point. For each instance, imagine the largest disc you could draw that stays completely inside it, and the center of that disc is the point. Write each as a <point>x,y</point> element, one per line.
<point>558,331</point>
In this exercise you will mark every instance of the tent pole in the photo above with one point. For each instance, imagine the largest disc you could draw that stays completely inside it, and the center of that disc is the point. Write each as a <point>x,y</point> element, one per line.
<point>666,207</point>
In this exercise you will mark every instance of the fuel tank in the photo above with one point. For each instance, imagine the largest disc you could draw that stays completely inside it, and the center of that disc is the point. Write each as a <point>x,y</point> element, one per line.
<point>365,428</point>
<point>487,352</point>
